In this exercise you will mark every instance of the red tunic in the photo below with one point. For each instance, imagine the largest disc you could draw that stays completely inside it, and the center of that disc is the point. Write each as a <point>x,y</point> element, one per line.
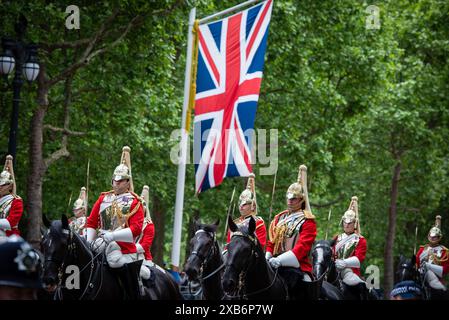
<point>303,244</point>
<point>443,260</point>
<point>147,240</point>
<point>261,230</point>
<point>135,223</point>
<point>14,216</point>
<point>359,252</point>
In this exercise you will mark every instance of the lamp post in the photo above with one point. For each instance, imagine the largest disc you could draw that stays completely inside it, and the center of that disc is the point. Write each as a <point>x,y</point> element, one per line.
<point>22,56</point>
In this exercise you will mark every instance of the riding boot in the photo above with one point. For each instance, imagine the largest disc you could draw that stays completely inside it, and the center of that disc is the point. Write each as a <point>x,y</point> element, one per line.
<point>129,279</point>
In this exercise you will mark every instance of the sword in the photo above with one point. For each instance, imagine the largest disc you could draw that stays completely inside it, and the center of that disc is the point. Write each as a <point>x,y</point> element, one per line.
<point>227,216</point>
<point>416,239</point>
<point>328,219</point>
<point>87,185</point>
<point>271,205</point>
<point>70,200</point>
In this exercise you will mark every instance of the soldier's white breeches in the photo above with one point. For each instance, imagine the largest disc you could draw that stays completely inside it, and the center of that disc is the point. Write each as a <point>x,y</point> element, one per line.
<point>349,277</point>
<point>433,281</point>
<point>116,258</point>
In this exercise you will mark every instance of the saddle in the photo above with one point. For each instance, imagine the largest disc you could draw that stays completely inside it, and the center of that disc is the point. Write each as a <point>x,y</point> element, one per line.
<point>298,289</point>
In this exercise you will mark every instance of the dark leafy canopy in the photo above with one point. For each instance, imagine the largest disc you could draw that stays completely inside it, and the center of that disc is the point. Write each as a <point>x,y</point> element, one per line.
<point>348,102</point>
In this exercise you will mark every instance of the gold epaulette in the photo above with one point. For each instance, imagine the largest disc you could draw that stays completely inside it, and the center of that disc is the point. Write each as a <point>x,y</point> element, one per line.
<point>16,196</point>
<point>137,196</point>
<point>308,215</point>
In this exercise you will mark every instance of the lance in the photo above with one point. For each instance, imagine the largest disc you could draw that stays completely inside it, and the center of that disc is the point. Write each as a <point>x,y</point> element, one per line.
<point>328,219</point>
<point>227,215</point>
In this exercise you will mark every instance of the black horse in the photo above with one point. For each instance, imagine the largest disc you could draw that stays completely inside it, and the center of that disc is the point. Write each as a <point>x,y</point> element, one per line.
<point>247,274</point>
<point>408,271</point>
<point>332,286</point>
<point>65,250</point>
<point>205,261</point>
<point>323,269</point>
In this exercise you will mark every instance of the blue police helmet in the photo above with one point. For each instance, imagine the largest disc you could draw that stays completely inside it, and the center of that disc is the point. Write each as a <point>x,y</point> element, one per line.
<point>20,264</point>
<point>407,290</point>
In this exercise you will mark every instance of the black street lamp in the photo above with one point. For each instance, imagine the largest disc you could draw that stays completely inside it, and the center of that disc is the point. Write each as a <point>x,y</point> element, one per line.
<point>23,57</point>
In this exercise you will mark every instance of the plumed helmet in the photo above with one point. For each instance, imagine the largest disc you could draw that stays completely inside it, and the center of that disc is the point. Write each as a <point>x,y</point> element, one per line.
<point>7,175</point>
<point>435,231</point>
<point>145,195</point>
<point>123,170</point>
<point>352,214</point>
<point>20,264</point>
<point>249,194</point>
<point>299,188</point>
<point>81,202</point>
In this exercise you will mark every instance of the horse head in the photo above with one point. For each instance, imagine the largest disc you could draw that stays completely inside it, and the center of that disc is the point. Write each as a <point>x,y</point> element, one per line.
<point>54,246</point>
<point>202,247</point>
<point>406,269</point>
<point>322,257</point>
<point>243,249</point>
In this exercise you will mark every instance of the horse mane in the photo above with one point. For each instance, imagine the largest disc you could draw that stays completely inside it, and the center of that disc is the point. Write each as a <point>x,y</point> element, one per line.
<point>208,227</point>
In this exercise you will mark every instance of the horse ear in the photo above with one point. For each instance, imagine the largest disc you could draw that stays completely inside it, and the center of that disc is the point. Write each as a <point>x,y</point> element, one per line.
<point>217,222</point>
<point>65,222</point>
<point>413,260</point>
<point>251,225</point>
<point>45,220</point>
<point>332,242</point>
<point>232,226</point>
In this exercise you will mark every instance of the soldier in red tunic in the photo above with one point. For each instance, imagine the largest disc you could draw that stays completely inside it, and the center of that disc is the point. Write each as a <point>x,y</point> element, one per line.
<point>350,250</point>
<point>118,217</point>
<point>11,205</point>
<point>292,233</point>
<point>248,208</point>
<point>78,221</point>
<point>432,260</point>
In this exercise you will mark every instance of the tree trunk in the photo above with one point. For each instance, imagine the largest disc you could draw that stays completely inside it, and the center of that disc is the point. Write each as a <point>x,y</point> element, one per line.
<point>389,244</point>
<point>157,248</point>
<point>37,168</point>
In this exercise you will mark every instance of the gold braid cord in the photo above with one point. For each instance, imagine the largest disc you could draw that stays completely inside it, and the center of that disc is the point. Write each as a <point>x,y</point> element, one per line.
<point>117,211</point>
<point>277,236</point>
<point>444,257</point>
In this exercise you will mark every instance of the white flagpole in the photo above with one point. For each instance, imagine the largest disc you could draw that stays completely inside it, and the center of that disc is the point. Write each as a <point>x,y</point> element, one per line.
<point>177,226</point>
<point>221,13</point>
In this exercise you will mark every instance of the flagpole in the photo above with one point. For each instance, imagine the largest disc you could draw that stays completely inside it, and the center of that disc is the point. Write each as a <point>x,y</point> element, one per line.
<point>221,13</point>
<point>177,225</point>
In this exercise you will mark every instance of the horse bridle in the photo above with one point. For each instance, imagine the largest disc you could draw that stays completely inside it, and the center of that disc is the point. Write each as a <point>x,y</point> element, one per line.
<point>70,248</point>
<point>242,274</point>
<point>210,252</point>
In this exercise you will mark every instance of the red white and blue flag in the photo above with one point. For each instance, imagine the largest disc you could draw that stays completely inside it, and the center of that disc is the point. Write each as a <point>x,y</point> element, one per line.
<point>230,63</point>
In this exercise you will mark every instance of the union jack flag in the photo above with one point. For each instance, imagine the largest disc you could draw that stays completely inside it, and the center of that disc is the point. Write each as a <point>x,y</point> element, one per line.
<point>230,64</point>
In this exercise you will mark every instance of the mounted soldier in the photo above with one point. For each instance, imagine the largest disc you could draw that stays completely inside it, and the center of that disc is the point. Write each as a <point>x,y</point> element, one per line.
<point>78,221</point>
<point>11,205</point>
<point>350,250</point>
<point>292,233</point>
<point>248,208</point>
<point>145,239</point>
<point>119,216</point>
<point>432,260</point>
